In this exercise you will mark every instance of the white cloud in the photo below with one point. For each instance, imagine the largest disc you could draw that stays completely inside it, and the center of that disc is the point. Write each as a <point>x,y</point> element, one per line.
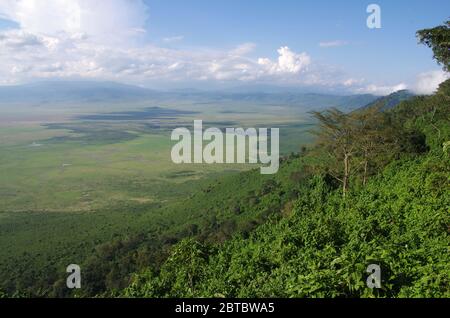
<point>173,39</point>
<point>335,43</point>
<point>352,82</point>
<point>25,56</point>
<point>427,83</point>
<point>243,49</point>
<point>288,62</point>
<point>103,40</point>
<point>103,20</point>
<point>382,89</point>
<point>20,40</point>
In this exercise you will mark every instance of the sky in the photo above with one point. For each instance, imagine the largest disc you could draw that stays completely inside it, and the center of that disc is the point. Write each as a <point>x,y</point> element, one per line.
<point>210,44</point>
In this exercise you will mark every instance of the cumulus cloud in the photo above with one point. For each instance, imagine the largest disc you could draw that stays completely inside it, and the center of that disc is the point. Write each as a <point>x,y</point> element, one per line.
<point>382,89</point>
<point>350,82</point>
<point>104,20</point>
<point>97,39</point>
<point>25,55</point>
<point>427,83</point>
<point>288,62</point>
<point>20,40</point>
<point>335,43</point>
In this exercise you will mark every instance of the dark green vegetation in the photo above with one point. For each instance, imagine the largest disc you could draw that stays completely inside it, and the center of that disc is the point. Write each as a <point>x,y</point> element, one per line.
<point>438,39</point>
<point>148,236</point>
<point>390,101</point>
<point>320,243</point>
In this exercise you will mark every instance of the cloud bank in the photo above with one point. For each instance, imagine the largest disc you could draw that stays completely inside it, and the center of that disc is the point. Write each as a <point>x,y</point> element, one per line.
<point>427,83</point>
<point>105,40</point>
<point>103,20</point>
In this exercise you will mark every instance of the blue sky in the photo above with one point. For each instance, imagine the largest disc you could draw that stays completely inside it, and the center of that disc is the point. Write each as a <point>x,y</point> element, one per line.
<point>390,51</point>
<point>200,43</point>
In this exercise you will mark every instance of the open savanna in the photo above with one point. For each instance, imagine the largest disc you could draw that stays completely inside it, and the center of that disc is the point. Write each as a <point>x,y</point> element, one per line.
<point>87,176</point>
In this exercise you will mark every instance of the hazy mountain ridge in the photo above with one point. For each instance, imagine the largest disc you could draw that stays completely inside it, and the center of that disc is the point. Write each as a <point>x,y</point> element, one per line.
<point>392,100</point>
<point>92,91</point>
<point>76,91</point>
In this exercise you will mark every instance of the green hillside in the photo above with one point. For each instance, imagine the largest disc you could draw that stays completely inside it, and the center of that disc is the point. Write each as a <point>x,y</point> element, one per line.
<point>321,244</point>
<point>392,100</point>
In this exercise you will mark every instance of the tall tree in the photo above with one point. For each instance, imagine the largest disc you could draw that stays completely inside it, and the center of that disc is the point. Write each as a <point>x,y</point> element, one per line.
<point>336,137</point>
<point>438,39</point>
<point>356,144</point>
<point>375,139</point>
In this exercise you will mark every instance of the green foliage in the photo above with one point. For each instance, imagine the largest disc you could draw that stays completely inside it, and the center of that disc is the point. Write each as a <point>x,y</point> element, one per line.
<point>358,144</point>
<point>115,243</point>
<point>390,101</point>
<point>174,279</point>
<point>438,39</point>
<point>446,147</point>
<point>323,249</point>
<point>428,116</point>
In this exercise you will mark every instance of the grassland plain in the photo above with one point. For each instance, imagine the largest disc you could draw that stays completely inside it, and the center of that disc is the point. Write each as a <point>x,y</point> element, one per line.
<point>72,182</point>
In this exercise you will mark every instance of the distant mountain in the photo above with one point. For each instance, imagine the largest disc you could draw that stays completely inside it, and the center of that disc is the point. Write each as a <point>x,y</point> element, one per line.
<point>72,92</point>
<point>78,92</point>
<point>390,101</point>
<point>307,101</point>
<point>269,89</point>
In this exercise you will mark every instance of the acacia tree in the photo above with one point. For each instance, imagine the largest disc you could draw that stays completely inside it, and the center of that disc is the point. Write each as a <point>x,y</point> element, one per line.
<point>336,136</point>
<point>438,39</point>
<point>357,143</point>
<point>367,137</point>
<point>375,139</point>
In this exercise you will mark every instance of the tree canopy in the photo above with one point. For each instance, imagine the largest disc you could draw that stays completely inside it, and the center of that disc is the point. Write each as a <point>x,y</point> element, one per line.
<point>438,39</point>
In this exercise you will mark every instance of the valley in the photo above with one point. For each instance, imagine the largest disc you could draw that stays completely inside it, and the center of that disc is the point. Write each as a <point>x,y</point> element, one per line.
<point>90,174</point>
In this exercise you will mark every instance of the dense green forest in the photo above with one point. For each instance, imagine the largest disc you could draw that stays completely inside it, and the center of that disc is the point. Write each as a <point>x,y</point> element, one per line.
<point>374,189</point>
